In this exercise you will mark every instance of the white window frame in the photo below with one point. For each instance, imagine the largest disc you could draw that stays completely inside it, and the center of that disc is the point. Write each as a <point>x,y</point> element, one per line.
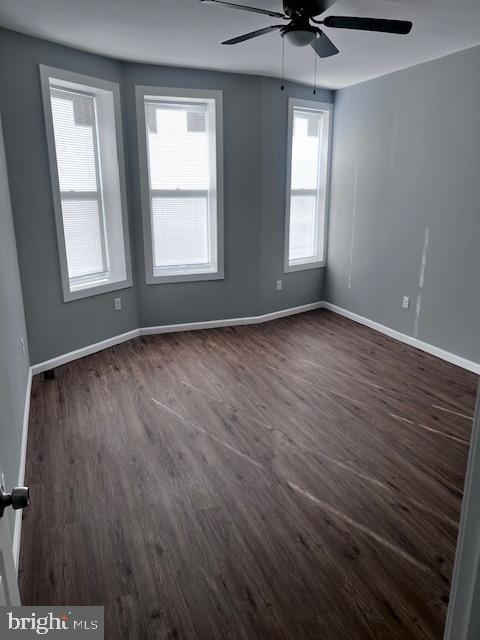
<point>196,95</point>
<point>324,202</point>
<point>102,285</point>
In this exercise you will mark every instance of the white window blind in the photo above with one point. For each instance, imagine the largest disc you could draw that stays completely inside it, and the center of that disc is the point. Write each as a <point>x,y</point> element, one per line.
<point>76,143</point>
<point>85,146</point>
<point>182,181</point>
<point>307,189</point>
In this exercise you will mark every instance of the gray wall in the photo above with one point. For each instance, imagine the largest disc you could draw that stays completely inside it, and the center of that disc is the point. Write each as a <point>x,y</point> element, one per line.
<point>410,142</point>
<point>14,365</point>
<point>255,133</point>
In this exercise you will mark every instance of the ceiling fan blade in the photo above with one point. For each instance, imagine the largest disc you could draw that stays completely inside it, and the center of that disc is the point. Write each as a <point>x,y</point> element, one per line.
<point>242,7</point>
<point>369,24</point>
<point>323,46</point>
<point>253,34</point>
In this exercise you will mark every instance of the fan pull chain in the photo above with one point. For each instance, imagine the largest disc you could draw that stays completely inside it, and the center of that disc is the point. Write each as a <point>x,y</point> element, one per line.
<point>283,64</point>
<point>315,74</point>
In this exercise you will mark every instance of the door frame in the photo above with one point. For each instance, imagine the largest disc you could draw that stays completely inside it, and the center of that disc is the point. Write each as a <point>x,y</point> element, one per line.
<point>466,574</point>
<point>9,592</point>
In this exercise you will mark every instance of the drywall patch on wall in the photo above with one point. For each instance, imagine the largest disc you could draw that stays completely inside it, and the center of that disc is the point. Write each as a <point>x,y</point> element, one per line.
<point>418,310</point>
<point>354,219</point>
<point>421,282</point>
<point>423,265</point>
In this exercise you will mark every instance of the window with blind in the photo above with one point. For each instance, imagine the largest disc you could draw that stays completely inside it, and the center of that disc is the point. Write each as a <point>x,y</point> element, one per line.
<point>307,182</point>
<point>181,157</point>
<point>88,183</point>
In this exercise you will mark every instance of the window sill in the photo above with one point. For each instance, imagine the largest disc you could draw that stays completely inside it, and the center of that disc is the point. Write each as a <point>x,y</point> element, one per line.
<point>305,266</point>
<point>94,290</point>
<point>185,277</point>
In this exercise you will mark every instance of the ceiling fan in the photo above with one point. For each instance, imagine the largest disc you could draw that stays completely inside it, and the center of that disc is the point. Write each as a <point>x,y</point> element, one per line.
<point>300,32</point>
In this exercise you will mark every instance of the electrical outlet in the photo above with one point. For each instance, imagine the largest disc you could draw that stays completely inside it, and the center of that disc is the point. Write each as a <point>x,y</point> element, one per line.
<point>118,304</point>
<point>22,346</point>
<point>279,285</point>
<point>406,302</point>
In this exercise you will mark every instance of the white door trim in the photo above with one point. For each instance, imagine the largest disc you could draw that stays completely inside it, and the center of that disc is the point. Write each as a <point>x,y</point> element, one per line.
<point>17,532</point>
<point>466,573</point>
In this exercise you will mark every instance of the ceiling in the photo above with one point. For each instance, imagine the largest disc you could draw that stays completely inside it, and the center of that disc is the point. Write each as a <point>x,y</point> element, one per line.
<point>185,33</point>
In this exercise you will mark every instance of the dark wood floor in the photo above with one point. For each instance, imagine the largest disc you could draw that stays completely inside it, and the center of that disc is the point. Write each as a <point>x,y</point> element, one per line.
<point>298,479</point>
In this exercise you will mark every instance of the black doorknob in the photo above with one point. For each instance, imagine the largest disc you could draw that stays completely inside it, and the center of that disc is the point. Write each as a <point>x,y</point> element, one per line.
<point>18,499</point>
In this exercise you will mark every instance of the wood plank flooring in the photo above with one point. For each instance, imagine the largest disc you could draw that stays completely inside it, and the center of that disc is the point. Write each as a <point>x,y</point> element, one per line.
<point>300,479</point>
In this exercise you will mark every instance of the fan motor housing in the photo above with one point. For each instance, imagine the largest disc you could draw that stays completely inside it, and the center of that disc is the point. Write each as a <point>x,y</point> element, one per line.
<point>308,8</point>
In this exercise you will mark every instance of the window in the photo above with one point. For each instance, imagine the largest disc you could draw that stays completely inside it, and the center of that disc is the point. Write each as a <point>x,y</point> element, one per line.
<point>180,144</point>
<point>86,162</point>
<point>307,184</point>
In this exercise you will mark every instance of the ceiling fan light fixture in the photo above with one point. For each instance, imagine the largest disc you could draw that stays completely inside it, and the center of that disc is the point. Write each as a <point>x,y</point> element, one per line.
<point>299,37</point>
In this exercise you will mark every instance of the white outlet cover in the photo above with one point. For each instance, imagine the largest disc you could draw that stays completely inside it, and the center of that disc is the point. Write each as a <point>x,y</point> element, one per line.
<point>406,302</point>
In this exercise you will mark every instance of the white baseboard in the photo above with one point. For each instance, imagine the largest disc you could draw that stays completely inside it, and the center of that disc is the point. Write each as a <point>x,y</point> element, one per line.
<point>230,322</point>
<point>84,351</point>
<point>17,532</point>
<point>402,337</point>
<point>169,328</point>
